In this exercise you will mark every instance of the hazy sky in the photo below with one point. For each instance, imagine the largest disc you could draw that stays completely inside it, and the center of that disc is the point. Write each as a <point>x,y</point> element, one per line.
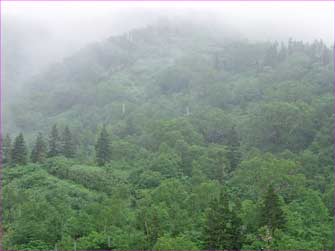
<point>96,20</point>
<point>68,26</point>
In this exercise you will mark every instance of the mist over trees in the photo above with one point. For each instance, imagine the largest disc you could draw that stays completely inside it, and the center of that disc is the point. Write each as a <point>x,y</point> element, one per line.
<point>174,136</point>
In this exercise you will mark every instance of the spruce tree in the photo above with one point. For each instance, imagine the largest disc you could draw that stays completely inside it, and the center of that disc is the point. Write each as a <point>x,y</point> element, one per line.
<point>19,151</point>
<point>68,145</point>
<point>271,213</point>
<point>102,148</point>
<point>54,142</point>
<point>39,152</point>
<point>234,153</point>
<point>223,226</point>
<point>6,150</point>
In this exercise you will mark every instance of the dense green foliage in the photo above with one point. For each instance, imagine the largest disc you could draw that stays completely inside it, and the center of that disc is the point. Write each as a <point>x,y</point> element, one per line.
<point>223,228</point>
<point>168,138</point>
<point>272,216</point>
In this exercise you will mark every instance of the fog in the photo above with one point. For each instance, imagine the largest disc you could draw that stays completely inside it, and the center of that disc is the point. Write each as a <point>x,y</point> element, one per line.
<point>36,34</point>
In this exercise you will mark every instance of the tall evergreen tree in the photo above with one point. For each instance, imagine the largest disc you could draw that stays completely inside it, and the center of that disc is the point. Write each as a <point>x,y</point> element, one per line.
<point>39,152</point>
<point>54,142</point>
<point>6,150</point>
<point>223,227</point>
<point>19,151</point>
<point>271,213</point>
<point>68,145</point>
<point>102,148</point>
<point>234,153</point>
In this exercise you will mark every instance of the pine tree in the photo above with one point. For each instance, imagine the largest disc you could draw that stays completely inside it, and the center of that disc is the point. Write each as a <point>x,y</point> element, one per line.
<point>6,150</point>
<point>102,148</point>
<point>234,153</point>
<point>54,143</point>
<point>68,145</point>
<point>19,151</point>
<point>39,152</point>
<point>223,227</point>
<point>271,213</point>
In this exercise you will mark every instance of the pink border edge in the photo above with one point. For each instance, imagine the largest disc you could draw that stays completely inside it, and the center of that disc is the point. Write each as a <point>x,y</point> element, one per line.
<point>1,229</point>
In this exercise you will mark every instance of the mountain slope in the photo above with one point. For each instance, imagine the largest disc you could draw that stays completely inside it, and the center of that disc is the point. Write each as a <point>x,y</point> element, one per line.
<point>196,125</point>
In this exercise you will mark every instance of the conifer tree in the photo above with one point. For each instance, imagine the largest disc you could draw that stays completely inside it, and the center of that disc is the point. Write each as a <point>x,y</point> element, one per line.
<point>223,227</point>
<point>68,145</point>
<point>6,150</point>
<point>39,152</point>
<point>19,151</point>
<point>271,213</point>
<point>234,153</point>
<point>54,142</point>
<point>102,148</point>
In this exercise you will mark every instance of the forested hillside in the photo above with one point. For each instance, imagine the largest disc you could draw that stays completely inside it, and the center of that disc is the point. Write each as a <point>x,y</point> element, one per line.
<point>171,138</point>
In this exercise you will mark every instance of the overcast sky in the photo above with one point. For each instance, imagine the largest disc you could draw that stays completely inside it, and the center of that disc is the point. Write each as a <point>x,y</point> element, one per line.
<point>97,20</point>
<point>72,25</point>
